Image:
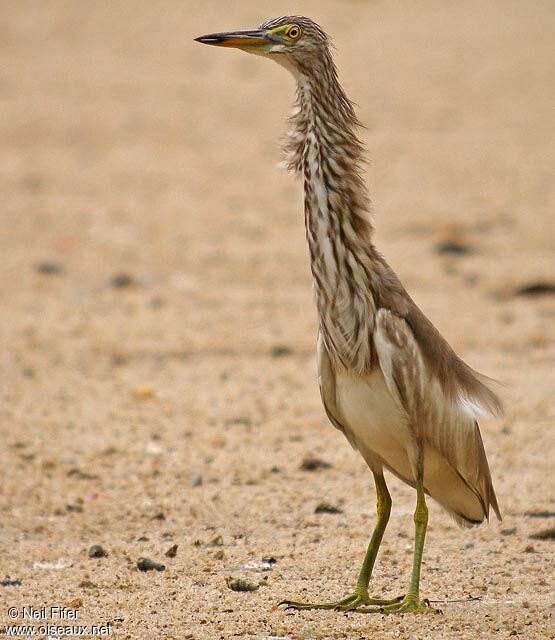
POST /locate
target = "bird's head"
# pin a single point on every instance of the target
(294, 41)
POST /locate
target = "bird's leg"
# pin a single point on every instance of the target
(360, 596)
(383, 509)
(411, 601)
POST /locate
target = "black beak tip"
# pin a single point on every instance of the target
(206, 39)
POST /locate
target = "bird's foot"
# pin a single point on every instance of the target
(410, 603)
(359, 598)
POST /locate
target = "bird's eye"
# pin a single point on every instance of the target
(294, 32)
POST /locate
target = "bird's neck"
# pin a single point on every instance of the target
(325, 150)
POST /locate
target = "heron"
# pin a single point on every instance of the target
(388, 379)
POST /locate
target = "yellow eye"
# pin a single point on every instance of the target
(293, 32)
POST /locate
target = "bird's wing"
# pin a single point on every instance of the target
(442, 416)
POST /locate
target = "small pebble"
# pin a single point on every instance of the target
(195, 480)
(49, 267)
(97, 551)
(535, 289)
(241, 584)
(8, 582)
(144, 392)
(246, 422)
(324, 507)
(121, 280)
(75, 603)
(171, 552)
(453, 248)
(218, 541)
(87, 584)
(159, 516)
(281, 351)
(82, 475)
(146, 564)
(544, 534)
(314, 464)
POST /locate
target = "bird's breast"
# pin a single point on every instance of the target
(371, 415)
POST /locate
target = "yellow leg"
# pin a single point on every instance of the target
(360, 596)
(411, 601)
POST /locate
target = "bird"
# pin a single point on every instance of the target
(388, 379)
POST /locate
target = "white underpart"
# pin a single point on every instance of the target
(377, 426)
(372, 416)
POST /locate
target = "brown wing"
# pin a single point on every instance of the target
(441, 403)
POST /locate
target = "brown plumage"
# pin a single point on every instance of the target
(388, 379)
(360, 299)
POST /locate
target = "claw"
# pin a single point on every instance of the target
(352, 602)
(408, 604)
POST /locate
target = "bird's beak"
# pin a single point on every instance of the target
(247, 40)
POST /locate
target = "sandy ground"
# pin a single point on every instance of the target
(158, 381)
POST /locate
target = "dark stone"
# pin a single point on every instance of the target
(535, 289)
(159, 516)
(544, 534)
(97, 551)
(281, 351)
(314, 464)
(8, 582)
(49, 267)
(324, 507)
(146, 564)
(121, 280)
(452, 248)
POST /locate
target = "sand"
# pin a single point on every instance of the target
(158, 379)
